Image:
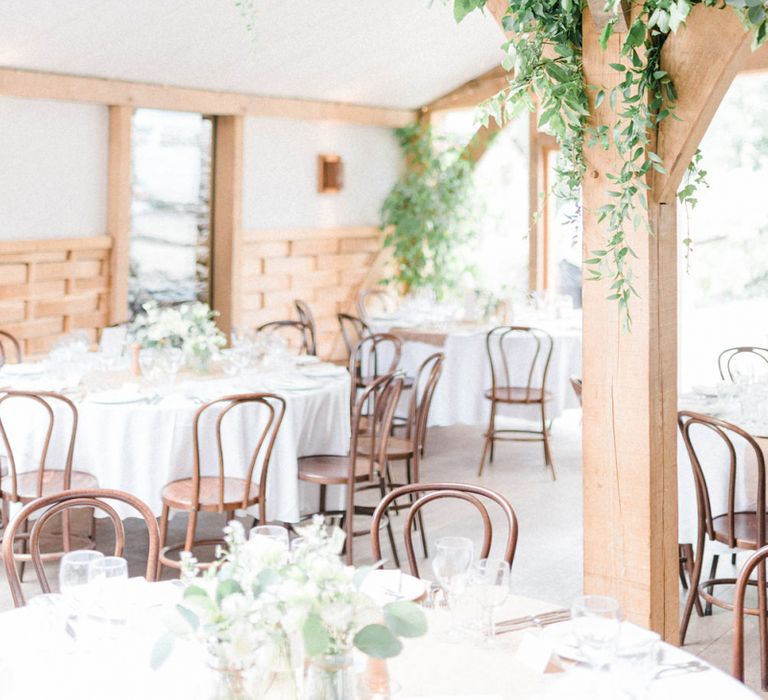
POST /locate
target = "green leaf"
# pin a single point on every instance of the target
(161, 650)
(377, 641)
(226, 588)
(405, 619)
(189, 617)
(316, 637)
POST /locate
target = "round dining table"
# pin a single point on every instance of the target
(137, 437)
(114, 662)
(459, 396)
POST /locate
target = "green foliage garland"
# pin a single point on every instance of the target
(544, 58)
(429, 215)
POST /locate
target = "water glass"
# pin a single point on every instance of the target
(636, 661)
(489, 584)
(74, 570)
(106, 578)
(451, 564)
(278, 533)
(596, 623)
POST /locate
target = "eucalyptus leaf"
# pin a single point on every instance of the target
(161, 650)
(377, 641)
(316, 637)
(405, 619)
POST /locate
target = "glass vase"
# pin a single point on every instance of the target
(278, 679)
(233, 681)
(330, 677)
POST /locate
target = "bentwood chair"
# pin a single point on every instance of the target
(476, 496)
(42, 510)
(378, 299)
(374, 356)
(297, 333)
(532, 362)
(755, 561)
(359, 471)
(747, 356)
(310, 328)
(222, 493)
(9, 346)
(720, 519)
(408, 448)
(353, 330)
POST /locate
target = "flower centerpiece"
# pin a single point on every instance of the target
(190, 327)
(261, 606)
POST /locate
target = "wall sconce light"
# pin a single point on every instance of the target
(330, 174)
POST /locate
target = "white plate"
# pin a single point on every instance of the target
(23, 369)
(389, 585)
(116, 397)
(567, 647)
(301, 360)
(324, 369)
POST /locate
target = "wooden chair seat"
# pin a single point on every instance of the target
(517, 394)
(332, 469)
(180, 494)
(397, 448)
(53, 482)
(744, 529)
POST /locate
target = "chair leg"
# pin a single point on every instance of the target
(164, 516)
(681, 564)
(323, 490)
(545, 435)
(712, 574)
(390, 534)
(24, 549)
(693, 591)
(189, 540)
(488, 439)
(686, 572)
(733, 559)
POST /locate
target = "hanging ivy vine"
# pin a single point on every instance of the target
(544, 59)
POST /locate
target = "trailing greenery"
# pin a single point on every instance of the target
(544, 58)
(430, 215)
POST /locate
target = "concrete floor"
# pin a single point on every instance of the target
(548, 559)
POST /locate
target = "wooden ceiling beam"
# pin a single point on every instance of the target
(471, 93)
(55, 86)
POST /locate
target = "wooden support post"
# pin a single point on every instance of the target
(630, 397)
(227, 221)
(537, 207)
(119, 209)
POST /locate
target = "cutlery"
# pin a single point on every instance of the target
(679, 669)
(542, 620)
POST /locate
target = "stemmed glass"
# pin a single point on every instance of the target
(596, 623)
(451, 564)
(489, 581)
(274, 532)
(105, 577)
(73, 576)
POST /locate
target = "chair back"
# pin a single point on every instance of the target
(374, 356)
(46, 508)
(9, 347)
(577, 387)
(420, 402)
(353, 330)
(379, 299)
(263, 436)
(757, 559)
(527, 366)
(372, 416)
(476, 496)
(54, 407)
(724, 432)
(747, 355)
(307, 318)
(297, 333)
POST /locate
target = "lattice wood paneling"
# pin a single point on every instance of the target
(51, 287)
(324, 267)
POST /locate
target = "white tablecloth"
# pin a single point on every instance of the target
(459, 397)
(140, 447)
(427, 667)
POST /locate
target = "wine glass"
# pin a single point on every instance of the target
(108, 569)
(106, 576)
(489, 582)
(453, 558)
(596, 623)
(274, 532)
(74, 570)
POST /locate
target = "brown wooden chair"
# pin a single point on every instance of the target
(9, 343)
(504, 391)
(353, 330)
(755, 561)
(48, 507)
(30, 481)
(374, 356)
(379, 297)
(358, 470)
(222, 493)
(726, 358)
(577, 387)
(474, 495)
(737, 529)
(297, 333)
(408, 449)
(310, 328)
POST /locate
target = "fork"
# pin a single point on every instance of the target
(542, 620)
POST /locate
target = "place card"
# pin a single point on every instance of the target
(537, 653)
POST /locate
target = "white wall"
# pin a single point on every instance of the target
(53, 169)
(280, 173)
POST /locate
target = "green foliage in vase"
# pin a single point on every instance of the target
(430, 215)
(544, 58)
